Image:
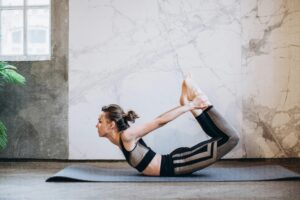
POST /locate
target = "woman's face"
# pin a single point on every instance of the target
(103, 125)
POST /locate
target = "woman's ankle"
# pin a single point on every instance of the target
(198, 112)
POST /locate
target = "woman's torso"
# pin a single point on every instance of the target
(153, 168)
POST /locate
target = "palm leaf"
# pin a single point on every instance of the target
(9, 74)
(3, 136)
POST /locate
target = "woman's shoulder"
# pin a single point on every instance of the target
(128, 137)
(129, 143)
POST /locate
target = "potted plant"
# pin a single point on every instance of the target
(8, 74)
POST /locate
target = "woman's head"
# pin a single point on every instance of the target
(113, 116)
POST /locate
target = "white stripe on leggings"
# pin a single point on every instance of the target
(199, 165)
(196, 156)
(190, 152)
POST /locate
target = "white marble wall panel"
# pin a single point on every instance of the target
(134, 53)
(271, 74)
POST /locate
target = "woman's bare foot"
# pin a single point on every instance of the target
(195, 94)
(183, 98)
(193, 90)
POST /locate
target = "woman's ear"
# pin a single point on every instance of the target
(113, 125)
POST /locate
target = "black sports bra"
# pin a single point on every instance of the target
(140, 156)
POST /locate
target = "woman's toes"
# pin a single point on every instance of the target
(192, 84)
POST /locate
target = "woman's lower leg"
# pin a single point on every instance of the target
(215, 126)
(210, 119)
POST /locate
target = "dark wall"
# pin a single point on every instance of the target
(36, 115)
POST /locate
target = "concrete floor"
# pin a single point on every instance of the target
(26, 180)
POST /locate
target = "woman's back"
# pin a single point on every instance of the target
(140, 156)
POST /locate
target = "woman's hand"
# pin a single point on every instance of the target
(197, 103)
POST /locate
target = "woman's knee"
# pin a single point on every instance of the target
(233, 141)
(234, 136)
(236, 140)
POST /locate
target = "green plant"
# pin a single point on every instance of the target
(8, 74)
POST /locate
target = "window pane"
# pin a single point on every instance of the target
(11, 32)
(38, 2)
(38, 32)
(12, 2)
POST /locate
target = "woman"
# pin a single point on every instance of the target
(113, 124)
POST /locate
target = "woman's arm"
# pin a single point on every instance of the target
(141, 130)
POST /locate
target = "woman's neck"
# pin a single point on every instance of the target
(114, 137)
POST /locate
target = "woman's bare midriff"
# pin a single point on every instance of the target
(153, 169)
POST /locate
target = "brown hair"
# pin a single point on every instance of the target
(115, 113)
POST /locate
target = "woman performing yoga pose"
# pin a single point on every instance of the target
(113, 124)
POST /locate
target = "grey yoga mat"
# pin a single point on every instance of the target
(209, 174)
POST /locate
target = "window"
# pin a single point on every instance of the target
(25, 30)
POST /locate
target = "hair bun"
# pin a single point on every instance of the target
(131, 116)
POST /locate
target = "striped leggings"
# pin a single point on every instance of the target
(186, 160)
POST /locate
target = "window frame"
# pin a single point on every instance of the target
(25, 56)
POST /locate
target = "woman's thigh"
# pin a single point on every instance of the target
(187, 160)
